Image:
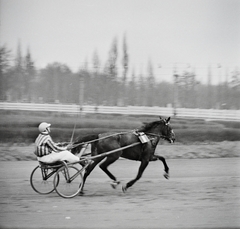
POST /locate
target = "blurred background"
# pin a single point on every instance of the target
(172, 58)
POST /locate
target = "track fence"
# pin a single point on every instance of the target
(208, 114)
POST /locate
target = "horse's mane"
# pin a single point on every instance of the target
(147, 126)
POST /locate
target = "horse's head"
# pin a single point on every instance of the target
(167, 130)
(161, 128)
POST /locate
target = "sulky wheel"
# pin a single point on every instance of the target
(68, 181)
(41, 180)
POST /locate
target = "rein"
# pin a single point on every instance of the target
(158, 135)
(95, 140)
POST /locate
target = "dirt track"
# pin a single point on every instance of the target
(201, 193)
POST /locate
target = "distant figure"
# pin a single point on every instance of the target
(49, 152)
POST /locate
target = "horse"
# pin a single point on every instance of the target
(118, 142)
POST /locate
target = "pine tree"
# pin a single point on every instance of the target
(4, 66)
(95, 87)
(125, 70)
(112, 71)
(29, 75)
(151, 83)
(18, 82)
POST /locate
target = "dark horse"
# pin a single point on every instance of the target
(143, 152)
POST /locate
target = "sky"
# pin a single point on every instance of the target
(172, 35)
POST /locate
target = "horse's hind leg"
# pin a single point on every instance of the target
(89, 170)
(141, 169)
(104, 166)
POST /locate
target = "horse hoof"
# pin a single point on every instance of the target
(114, 184)
(166, 175)
(124, 188)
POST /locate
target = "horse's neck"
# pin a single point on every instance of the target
(156, 131)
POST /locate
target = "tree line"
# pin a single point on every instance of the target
(21, 81)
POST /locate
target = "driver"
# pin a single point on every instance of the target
(49, 152)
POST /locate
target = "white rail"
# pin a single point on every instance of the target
(212, 114)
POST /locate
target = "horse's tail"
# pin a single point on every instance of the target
(79, 142)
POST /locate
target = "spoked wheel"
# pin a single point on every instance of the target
(68, 181)
(41, 180)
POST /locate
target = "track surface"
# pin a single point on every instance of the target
(201, 193)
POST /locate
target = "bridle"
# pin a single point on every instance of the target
(160, 136)
(157, 135)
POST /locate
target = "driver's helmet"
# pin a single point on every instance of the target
(43, 127)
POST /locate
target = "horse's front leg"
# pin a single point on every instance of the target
(162, 159)
(141, 169)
